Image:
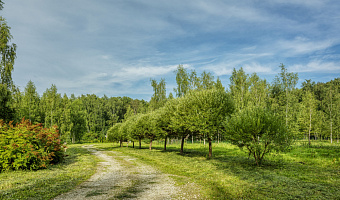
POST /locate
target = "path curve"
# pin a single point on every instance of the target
(121, 177)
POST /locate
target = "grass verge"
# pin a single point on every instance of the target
(78, 166)
(303, 173)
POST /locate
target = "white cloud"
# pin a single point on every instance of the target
(317, 66)
(301, 45)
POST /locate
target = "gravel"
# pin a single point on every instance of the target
(123, 177)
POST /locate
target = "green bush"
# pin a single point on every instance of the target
(27, 146)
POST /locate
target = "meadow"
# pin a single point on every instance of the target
(305, 172)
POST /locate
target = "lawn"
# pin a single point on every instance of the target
(303, 173)
(77, 167)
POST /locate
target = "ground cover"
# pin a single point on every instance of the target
(304, 172)
(77, 167)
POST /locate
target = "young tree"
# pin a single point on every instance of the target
(258, 131)
(208, 110)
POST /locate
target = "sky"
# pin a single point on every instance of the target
(114, 47)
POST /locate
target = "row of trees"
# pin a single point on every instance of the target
(309, 112)
(205, 110)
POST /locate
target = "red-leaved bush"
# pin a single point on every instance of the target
(28, 146)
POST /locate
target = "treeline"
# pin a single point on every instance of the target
(83, 118)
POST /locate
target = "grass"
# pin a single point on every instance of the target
(78, 166)
(303, 173)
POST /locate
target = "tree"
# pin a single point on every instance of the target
(50, 103)
(284, 84)
(8, 55)
(7, 112)
(258, 131)
(239, 88)
(208, 110)
(78, 122)
(158, 99)
(259, 91)
(182, 80)
(30, 103)
(309, 108)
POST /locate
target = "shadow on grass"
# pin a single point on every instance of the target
(278, 177)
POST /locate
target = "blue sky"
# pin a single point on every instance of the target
(114, 47)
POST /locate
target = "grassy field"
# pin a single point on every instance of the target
(303, 173)
(78, 166)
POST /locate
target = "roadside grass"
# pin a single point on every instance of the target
(77, 167)
(306, 172)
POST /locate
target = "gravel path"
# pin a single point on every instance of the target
(121, 177)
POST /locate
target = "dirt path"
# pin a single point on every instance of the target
(121, 177)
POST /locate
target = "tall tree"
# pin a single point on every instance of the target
(158, 98)
(259, 91)
(284, 84)
(239, 88)
(182, 80)
(30, 103)
(50, 103)
(8, 55)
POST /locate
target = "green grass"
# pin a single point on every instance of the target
(78, 166)
(303, 173)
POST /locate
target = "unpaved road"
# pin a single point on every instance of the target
(122, 177)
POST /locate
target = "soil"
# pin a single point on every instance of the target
(122, 177)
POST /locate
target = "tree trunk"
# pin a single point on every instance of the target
(166, 138)
(133, 144)
(121, 143)
(140, 143)
(150, 146)
(182, 144)
(210, 147)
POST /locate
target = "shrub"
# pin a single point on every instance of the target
(28, 146)
(258, 131)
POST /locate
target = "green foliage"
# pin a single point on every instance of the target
(258, 131)
(158, 99)
(27, 146)
(7, 112)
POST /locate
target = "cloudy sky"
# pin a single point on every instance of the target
(114, 47)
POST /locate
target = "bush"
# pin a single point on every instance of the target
(27, 146)
(258, 131)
